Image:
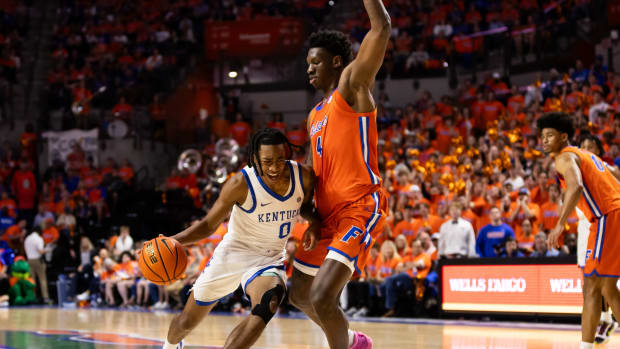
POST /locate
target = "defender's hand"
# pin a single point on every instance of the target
(311, 237)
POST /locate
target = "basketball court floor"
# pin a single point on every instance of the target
(42, 328)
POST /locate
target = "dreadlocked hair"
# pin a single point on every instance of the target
(335, 42)
(268, 136)
(560, 122)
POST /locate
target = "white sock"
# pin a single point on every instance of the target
(351, 337)
(606, 316)
(167, 345)
(585, 345)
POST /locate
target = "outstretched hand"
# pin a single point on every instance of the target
(311, 237)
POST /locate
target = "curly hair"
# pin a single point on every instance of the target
(335, 42)
(560, 122)
(268, 136)
(592, 138)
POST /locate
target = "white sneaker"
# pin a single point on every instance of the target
(361, 313)
(351, 311)
(158, 305)
(83, 296)
(180, 345)
(164, 305)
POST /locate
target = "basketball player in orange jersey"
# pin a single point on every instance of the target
(607, 325)
(348, 194)
(590, 186)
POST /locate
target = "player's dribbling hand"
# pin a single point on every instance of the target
(554, 236)
(310, 237)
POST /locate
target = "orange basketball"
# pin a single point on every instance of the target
(162, 260)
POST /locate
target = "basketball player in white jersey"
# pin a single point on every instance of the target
(265, 198)
(607, 325)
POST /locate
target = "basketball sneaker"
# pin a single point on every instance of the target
(604, 332)
(178, 346)
(351, 311)
(361, 341)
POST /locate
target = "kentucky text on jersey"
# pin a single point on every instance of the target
(277, 216)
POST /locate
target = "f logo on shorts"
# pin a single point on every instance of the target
(354, 232)
(588, 254)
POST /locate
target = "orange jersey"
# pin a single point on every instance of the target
(388, 266)
(420, 273)
(601, 192)
(344, 154)
(372, 266)
(550, 215)
(50, 235)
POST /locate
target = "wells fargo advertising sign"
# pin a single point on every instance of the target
(533, 288)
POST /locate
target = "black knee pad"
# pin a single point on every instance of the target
(262, 309)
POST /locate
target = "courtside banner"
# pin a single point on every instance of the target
(530, 288)
(256, 38)
(60, 144)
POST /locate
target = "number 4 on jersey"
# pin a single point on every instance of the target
(319, 148)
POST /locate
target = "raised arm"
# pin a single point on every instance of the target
(359, 75)
(233, 192)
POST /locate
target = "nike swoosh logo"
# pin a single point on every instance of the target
(263, 205)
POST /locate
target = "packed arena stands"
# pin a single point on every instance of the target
(428, 35)
(13, 28)
(465, 171)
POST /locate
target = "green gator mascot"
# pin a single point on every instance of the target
(22, 286)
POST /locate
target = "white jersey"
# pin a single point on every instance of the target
(265, 219)
(257, 233)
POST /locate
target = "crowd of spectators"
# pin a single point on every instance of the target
(426, 33)
(116, 55)
(466, 176)
(114, 60)
(13, 30)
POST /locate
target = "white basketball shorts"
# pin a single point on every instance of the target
(230, 266)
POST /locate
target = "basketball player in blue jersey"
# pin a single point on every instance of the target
(263, 201)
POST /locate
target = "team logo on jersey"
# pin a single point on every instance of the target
(354, 232)
(317, 126)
